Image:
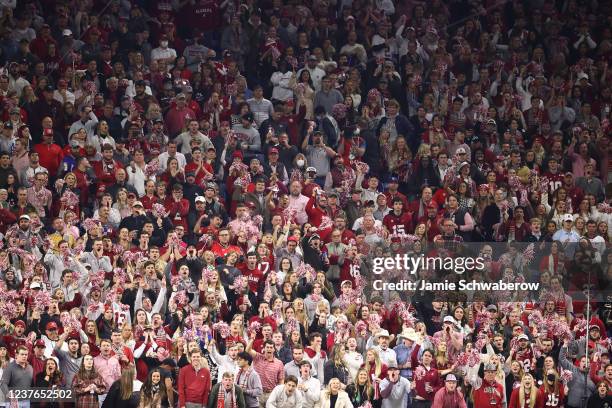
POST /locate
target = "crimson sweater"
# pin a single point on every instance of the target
(194, 386)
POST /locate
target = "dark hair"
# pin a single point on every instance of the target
(245, 356)
(146, 392)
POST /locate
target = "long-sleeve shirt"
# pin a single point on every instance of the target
(279, 398)
(394, 394)
(312, 391)
(576, 385)
(16, 376)
(194, 386)
(109, 368)
(69, 365)
(444, 399)
(270, 372)
(252, 390)
(89, 125)
(97, 264)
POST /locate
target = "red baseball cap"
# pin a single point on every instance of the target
(40, 343)
(51, 326)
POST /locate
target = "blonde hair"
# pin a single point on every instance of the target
(532, 394)
(377, 362)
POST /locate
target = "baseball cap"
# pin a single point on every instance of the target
(8, 125)
(35, 285)
(311, 170)
(20, 323)
(568, 217)
(523, 337)
(180, 96)
(211, 186)
(39, 343)
(461, 150)
(137, 204)
(492, 308)
(67, 32)
(24, 217)
(200, 199)
(450, 377)
(74, 143)
(449, 319)
(581, 76)
(51, 326)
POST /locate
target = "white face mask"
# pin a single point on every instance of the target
(163, 44)
(300, 163)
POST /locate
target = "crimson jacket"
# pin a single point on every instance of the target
(194, 386)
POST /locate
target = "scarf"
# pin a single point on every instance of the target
(243, 377)
(221, 397)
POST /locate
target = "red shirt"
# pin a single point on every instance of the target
(221, 251)
(51, 156)
(253, 276)
(178, 211)
(431, 377)
(554, 181)
(515, 403)
(489, 395)
(194, 386)
(398, 224)
(554, 400)
(315, 214)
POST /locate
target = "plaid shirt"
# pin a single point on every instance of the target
(451, 243)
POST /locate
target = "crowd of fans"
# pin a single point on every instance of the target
(192, 194)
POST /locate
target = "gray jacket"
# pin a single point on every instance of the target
(576, 396)
(253, 388)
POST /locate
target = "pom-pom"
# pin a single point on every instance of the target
(291, 325)
(605, 208)
(206, 240)
(326, 222)
(361, 327)
(159, 211)
(289, 215)
(528, 255)
(42, 300)
(419, 373)
(8, 310)
(181, 299)
(69, 199)
(222, 328)
(304, 270)
(240, 285)
(565, 376)
(254, 327)
(209, 273)
(89, 224)
(362, 167)
(152, 168)
(342, 330)
(70, 323)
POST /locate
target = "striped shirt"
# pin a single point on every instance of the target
(271, 373)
